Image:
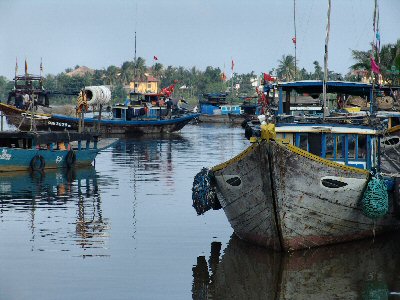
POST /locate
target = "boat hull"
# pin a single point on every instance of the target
(225, 119)
(20, 159)
(285, 200)
(56, 122)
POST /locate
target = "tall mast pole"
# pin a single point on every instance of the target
(135, 69)
(328, 25)
(295, 40)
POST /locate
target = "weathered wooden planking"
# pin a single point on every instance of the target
(311, 214)
(249, 205)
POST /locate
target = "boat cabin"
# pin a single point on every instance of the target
(355, 146)
(292, 92)
(250, 105)
(27, 88)
(47, 140)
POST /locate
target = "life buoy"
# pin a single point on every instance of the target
(37, 163)
(71, 158)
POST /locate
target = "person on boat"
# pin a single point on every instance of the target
(169, 104)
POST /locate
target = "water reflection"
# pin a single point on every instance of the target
(365, 269)
(63, 207)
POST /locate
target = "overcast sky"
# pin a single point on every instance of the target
(99, 33)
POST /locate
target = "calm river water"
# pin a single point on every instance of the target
(125, 229)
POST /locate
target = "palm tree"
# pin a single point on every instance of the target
(157, 70)
(112, 73)
(286, 68)
(127, 70)
(318, 74)
(140, 68)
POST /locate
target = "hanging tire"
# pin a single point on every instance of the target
(37, 163)
(71, 158)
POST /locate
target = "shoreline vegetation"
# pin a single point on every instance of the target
(191, 83)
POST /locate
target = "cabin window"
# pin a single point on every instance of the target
(315, 143)
(302, 141)
(149, 85)
(353, 146)
(330, 149)
(340, 146)
(362, 146)
(118, 113)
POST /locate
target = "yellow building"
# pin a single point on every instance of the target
(149, 85)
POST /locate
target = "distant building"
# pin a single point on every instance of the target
(80, 71)
(361, 75)
(149, 85)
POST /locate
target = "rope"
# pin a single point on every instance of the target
(203, 192)
(375, 201)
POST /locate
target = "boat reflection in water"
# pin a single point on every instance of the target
(64, 208)
(357, 270)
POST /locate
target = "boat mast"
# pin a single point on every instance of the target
(295, 40)
(135, 69)
(325, 110)
(375, 49)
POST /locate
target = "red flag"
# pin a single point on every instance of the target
(294, 40)
(16, 66)
(155, 57)
(223, 76)
(233, 65)
(26, 67)
(268, 77)
(374, 67)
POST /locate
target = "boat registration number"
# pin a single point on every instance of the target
(61, 124)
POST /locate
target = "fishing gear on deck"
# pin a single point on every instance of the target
(375, 202)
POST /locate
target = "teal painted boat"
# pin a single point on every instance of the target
(37, 151)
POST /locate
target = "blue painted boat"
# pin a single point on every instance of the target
(37, 151)
(122, 121)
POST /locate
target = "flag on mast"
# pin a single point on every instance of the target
(26, 67)
(374, 66)
(41, 66)
(16, 66)
(155, 57)
(233, 65)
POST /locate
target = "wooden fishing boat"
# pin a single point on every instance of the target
(114, 125)
(38, 151)
(281, 196)
(305, 183)
(144, 116)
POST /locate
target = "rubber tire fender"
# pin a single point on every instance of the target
(37, 163)
(70, 158)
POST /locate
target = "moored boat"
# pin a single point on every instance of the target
(38, 151)
(306, 182)
(128, 118)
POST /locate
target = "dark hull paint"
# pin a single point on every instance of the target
(57, 122)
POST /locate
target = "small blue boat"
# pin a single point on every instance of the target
(37, 151)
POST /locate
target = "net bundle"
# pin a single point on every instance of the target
(375, 202)
(203, 193)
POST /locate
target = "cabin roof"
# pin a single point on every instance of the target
(44, 137)
(337, 87)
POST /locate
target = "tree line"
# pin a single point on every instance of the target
(192, 82)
